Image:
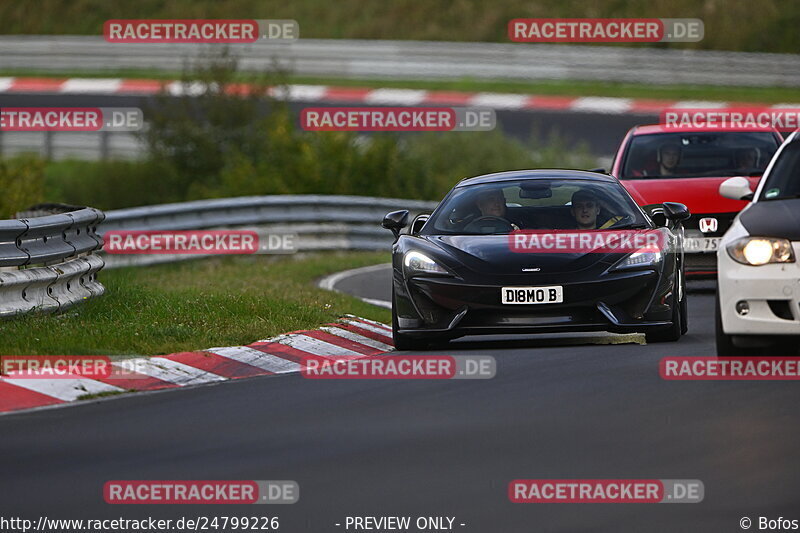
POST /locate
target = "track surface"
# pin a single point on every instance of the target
(600, 133)
(558, 408)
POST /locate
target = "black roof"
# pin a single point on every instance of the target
(556, 173)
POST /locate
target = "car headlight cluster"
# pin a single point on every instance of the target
(419, 263)
(756, 251)
(640, 259)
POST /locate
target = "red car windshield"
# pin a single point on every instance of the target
(690, 155)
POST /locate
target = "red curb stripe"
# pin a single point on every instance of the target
(653, 106)
(287, 352)
(346, 94)
(549, 102)
(217, 364)
(36, 85)
(13, 398)
(144, 382)
(342, 342)
(366, 333)
(141, 86)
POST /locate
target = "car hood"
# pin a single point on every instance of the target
(773, 218)
(700, 195)
(492, 255)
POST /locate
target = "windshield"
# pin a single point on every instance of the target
(784, 180)
(535, 204)
(690, 155)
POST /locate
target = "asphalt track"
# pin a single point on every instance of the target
(599, 133)
(558, 408)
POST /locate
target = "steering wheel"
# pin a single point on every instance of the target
(497, 224)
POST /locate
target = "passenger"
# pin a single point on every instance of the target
(747, 159)
(586, 208)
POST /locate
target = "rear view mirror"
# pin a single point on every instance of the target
(395, 221)
(737, 188)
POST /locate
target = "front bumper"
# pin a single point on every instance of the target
(772, 292)
(623, 302)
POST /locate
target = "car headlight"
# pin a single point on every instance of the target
(757, 251)
(640, 260)
(419, 263)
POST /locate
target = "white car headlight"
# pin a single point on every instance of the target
(640, 259)
(419, 263)
(757, 251)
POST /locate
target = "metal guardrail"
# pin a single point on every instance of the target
(47, 263)
(420, 60)
(320, 222)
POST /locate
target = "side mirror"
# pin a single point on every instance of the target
(417, 224)
(676, 212)
(395, 221)
(737, 188)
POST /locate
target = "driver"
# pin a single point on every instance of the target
(492, 203)
(746, 159)
(585, 210)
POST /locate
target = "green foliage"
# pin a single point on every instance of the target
(21, 184)
(744, 25)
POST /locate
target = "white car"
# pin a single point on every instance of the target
(758, 295)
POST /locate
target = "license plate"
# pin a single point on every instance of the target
(532, 295)
(701, 244)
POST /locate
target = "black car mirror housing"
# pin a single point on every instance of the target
(676, 212)
(396, 221)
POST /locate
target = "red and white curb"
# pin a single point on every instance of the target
(388, 96)
(350, 338)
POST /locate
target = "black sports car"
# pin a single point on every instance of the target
(458, 273)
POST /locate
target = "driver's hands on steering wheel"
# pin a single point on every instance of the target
(498, 223)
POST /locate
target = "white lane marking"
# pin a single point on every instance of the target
(194, 88)
(314, 346)
(5, 84)
(91, 85)
(395, 96)
(67, 389)
(370, 327)
(256, 358)
(173, 371)
(499, 100)
(329, 282)
(373, 322)
(299, 92)
(355, 337)
(602, 104)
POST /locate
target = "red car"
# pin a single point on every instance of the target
(658, 164)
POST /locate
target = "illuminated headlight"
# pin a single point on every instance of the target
(640, 259)
(419, 263)
(756, 251)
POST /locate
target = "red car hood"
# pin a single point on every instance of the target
(700, 195)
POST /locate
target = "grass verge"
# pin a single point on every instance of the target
(195, 305)
(769, 95)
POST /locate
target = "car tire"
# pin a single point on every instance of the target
(671, 333)
(725, 344)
